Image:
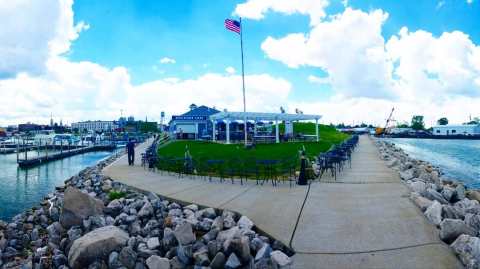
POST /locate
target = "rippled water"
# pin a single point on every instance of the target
(458, 159)
(21, 189)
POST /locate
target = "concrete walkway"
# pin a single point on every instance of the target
(362, 220)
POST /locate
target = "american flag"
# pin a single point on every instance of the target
(233, 25)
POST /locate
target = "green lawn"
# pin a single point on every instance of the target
(201, 150)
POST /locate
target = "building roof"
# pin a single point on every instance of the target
(456, 125)
(201, 111)
(263, 116)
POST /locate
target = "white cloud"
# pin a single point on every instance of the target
(349, 47)
(256, 9)
(230, 70)
(26, 43)
(435, 67)
(315, 79)
(469, 1)
(166, 60)
(416, 72)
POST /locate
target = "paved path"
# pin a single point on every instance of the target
(363, 220)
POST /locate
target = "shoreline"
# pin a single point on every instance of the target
(135, 230)
(446, 203)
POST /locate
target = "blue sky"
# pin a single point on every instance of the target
(137, 34)
(350, 61)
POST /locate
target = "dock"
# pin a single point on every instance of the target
(27, 163)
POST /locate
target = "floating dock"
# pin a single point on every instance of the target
(26, 163)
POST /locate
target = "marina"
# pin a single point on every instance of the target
(21, 189)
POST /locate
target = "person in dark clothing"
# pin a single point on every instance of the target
(131, 151)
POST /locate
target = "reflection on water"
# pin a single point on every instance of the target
(458, 159)
(23, 188)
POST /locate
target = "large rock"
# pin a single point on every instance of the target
(448, 193)
(418, 186)
(450, 229)
(452, 212)
(245, 223)
(434, 195)
(473, 195)
(184, 234)
(473, 220)
(460, 192)
(156, 262)
(434, 213)
(407, 174)
(96, 245)
(468, 250)
(78, 206)
(280, 259)
(422, 202)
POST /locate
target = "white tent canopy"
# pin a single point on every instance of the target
(262, 116)
(228, 117)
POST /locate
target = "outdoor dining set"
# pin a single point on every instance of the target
(260, 170)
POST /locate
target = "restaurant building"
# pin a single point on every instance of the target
(194, 124)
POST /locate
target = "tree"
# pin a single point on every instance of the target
(442, 121)
(417, 123)
(402, 125)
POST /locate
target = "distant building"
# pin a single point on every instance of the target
(466, 129)
(193, 124)
(94, 126)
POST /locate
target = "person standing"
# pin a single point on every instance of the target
(131, 151)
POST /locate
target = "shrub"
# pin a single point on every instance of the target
(112, 195)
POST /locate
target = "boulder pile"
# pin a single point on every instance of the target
(446, 203)
(82, 225)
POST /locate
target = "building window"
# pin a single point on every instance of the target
(454, 131)
(438, 131)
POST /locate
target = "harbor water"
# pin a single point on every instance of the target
(21, 189)
(457, 159)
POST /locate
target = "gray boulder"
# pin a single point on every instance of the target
(448, 193)
(245, 223)
(418, 186)
(96, 245)
(280, 259)
(434, 195)
(78, 206)
(460, 192)
(156, 262)
(218, 261)
(473, 220)
(407, 174)
(146, 211)
(422, 202)
(233, 262)
(184, 234)
(153, 242)
(128, 257)
(434, 213)
(450, 229)
(467, 249)
(451, 212)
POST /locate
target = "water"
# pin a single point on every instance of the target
(21, 189)
(458, 159)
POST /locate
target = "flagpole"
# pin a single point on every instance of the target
(243, 83)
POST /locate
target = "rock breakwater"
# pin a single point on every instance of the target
(447, 204)
(94, 222)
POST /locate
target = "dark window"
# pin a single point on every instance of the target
(438, 131)
(454, 131)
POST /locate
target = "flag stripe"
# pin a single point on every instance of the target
(232, 25)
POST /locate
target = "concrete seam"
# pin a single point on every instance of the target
(298, 217)
(235, 197)
(368, 251)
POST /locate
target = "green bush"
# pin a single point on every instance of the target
(112, 195)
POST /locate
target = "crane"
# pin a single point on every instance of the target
(381, 131)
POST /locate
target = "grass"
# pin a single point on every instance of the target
(202, 150)
(113, 195)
